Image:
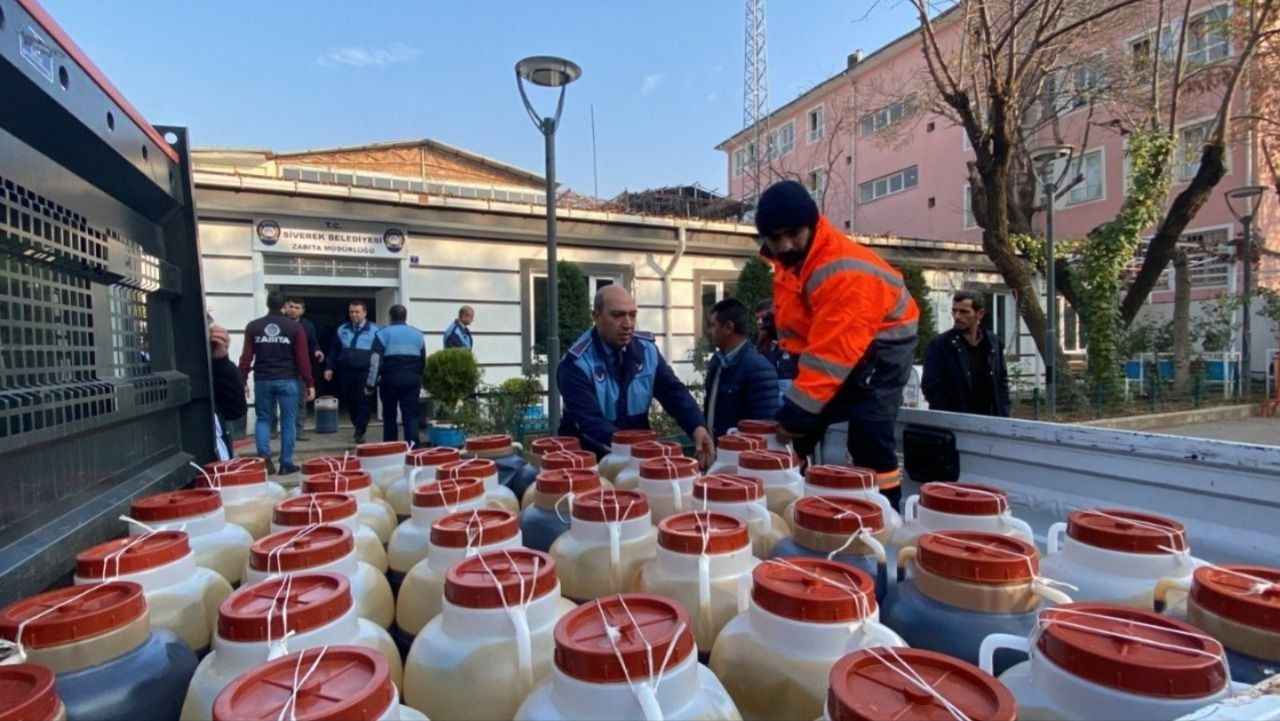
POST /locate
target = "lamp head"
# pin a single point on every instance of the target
(548, 71)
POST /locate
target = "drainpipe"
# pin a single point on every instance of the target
(682, 238)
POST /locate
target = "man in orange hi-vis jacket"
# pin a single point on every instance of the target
(849, 317)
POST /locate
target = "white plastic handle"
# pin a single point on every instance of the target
(1017, 524)
(1052, 595)
(909, 508)
(1051, 540)
(997, 641)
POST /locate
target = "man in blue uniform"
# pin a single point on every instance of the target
(399, 355)
(458, 334)
(349, 359)
(613, 372)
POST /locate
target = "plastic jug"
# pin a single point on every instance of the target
(729, 447)
(964, 586)
(513, 471)
(804, 614)
(610, 538)
(431, 502)
(742, 498)
(545, 516)
(493, 641)
(375, 513)
(384, 461)
(313, 609)
(217, 545)
(629, 477)
(347, 463)
(766, 429)
(540, 447)
(959, 507)
(1240, 607)
(453, 538)
(848, 530)
(881, 684)
(627, 657)
(182, 596)
(620, 451)
(336, 508)
(324, 549)
(419, 468)
(1117, 556)
(1101, 661)
(779, 472)
(329, 683)
(563, 461)
(668, 484)
(27, 693)
(108, 662)
(850, 482)
(704, 562)
(247, 495)
(496, 495)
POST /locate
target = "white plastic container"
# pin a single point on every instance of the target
(805, 613)
(742, 498)
(780, 473)
(668, 484)
(336, 508)
(347, 463)
(324, 549)
(838, 528)
(729, 447)
(620, 451)
(182, 596)
(217, 545)
(431, 502)
(496, 495)
(766, 429)
(317, 608)
(545, 516)
(850, 482)
(419, 469)
(647, 668)
(610, 537)
(383, 461)
(959, 507)
(540, 447)
(704, 563)
(453, 538)
(321, 684)
(372, 512)
(247, 496)
(1100, 661)
(1117, 556)
(493, 641)
(629, 477)
(571, 460)
(906, 683)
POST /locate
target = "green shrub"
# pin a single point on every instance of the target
(451, 375)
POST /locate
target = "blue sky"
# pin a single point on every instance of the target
(665, 77)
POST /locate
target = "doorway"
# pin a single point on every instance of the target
(326, 308)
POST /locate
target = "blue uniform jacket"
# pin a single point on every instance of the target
(600, 399)
(351, 349)
(458, 335)
(399, 355)
(748, 389)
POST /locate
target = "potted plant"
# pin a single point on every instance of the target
(451, 376)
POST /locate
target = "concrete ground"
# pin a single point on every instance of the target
(1264, 431)
(317, 444)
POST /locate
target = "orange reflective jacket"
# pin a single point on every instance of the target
(843, 298)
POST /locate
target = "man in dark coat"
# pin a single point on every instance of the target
(741, 383)
(964, 369)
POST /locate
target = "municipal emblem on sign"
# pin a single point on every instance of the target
(393, 239)
(272, 330)
(269, 232)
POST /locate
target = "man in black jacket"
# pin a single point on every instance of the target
(228, 388)
(294, 308)
(964, 369)
(741, 383)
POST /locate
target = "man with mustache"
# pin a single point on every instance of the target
(851, 320)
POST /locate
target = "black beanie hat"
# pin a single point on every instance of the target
(785, 205)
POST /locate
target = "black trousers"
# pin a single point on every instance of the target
(351, 394)
(400, 398)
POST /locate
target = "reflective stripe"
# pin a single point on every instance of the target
(898, 332)
(805, 401)
(900, 310)
(889, 480)
(839, 371)
(824, 272)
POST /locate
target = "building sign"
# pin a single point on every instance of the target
(305, 236)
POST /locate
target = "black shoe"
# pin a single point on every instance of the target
(288, 470)
(358, 438)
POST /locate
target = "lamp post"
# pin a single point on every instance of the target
(549, 72)
(1044, 159)
(1243, 202)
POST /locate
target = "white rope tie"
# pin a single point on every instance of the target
(615, 536)
(114, 556)
(904, 669)
(212, 481)
(279, 550)
(475, 534)
(868, 479)
(1175, 535)
(519, 615)
(646, 692)
(677, 497)
(1260, 585)
(280, 647)
(1038, 582)
(1002, 501)
(858, 595)
(566, 497)
(291, 704)
(863, 533)
(13, 652)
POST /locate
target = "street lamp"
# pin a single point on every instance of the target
(1243, 203)
(549, 72)
(1044, 159)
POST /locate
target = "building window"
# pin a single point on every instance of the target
(1070, 88)
(1069, 329)
(1191, 141)
(739, 161)
(780, 142)
(533, 298)
(877, 120)
(817, 184)
(1208, 38)
(1091, 187)
(970, 222)
(888, 185)
(816, 124)
(710, 292)
(596, 283)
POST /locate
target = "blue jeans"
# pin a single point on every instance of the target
(267, 396)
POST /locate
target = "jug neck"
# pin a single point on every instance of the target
(1123, 563)
(236, 657)
(722, 565)
(245, 493)
(462, 622)
(581, 699)
(441, 558)
(775, 478)
(346, 566)
(155, 579)
(201, 525)
(596, 532)
(427, 515)
(823, 639)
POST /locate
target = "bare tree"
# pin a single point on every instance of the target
(837, 128)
